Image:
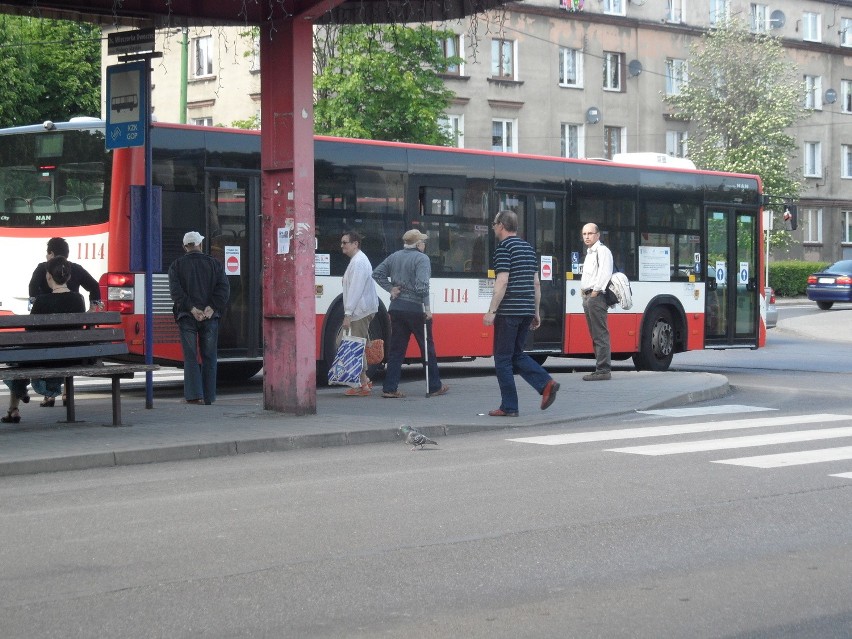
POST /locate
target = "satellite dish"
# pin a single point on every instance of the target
(634, 67)
(777, 19)
(830, 96)
(593, 115)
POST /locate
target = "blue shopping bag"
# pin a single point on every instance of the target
(348, 363)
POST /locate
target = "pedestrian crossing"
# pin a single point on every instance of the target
(734, 442)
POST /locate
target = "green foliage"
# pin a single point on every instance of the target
(380, 82)
(742, 96)
(252, 123)
(790, 278)
(51, 70)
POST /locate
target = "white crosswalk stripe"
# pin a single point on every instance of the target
(736, 442)
(781, 460)
(843, 475)
(677, 429)
(696, 411)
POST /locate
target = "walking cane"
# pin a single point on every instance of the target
(426, 348)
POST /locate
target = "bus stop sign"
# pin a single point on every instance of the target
(126, 107)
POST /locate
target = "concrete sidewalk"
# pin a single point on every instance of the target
(238, 423)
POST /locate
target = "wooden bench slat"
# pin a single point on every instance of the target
(59, 319)
(62, 351)
(81, 336)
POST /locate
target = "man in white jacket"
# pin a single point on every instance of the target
(360, 301)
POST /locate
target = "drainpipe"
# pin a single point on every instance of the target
(184, 62)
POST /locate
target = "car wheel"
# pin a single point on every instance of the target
(825, 305)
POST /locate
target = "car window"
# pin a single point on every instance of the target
(844, 266)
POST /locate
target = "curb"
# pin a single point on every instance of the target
(187, 452)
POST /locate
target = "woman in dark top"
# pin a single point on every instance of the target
(59, 300)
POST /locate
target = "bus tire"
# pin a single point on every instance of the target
(379, 329)
(237, 371)
(657, 341)
(538, 358)
(824, 306)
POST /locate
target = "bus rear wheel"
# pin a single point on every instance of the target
(657, 344)
(238, 371)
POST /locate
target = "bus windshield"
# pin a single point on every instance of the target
(53, 179)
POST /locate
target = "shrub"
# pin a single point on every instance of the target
(790, 278)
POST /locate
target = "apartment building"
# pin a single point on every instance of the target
(586, 78)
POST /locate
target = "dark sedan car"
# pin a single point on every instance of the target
(834, 284)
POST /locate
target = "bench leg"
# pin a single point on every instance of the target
(116, 401)
(70, 416)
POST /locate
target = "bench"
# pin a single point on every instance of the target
(56, 344)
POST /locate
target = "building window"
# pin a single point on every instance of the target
(812, 231)
(759, 18)
(570, 67)
(846, 96)
(255, 53)
(847, 226)
(813, 159)
(202, 52)
(812, 27)
(451, 46)
(504, 136)
(675, 75)
(676, 143)
(613, 141)
(674, 11)
(208, 121)
(454, 126)
(846, 161)
(503, 59)
(572, 144)
(612, 70)
(813, 92)
(846, 32)
(720, 11)
(613, 7)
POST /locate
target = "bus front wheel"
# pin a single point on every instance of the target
(656, 347)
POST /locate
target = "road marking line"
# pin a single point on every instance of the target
(736, 442)
(676, 429)
(843, 475)
(781, 460)
(705, 410)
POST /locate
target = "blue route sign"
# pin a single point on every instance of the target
(126, 107)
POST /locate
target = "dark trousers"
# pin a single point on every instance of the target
(199, 338)
(596, 311)
(510, 336)
(403, 326)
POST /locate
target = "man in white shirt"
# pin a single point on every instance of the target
(597, 271)
(360, 301)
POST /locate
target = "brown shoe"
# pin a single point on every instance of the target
(441, 391)
(548, 395)
(499, 412)
(193, 401)
(597, 377)
(394, 395)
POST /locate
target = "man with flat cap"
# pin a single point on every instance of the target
(405, 275)
(200, 291)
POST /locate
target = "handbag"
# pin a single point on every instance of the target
(348, 362)
(375, 351)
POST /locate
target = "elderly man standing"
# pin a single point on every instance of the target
(597, 271)
(405, 275)
(200, 292)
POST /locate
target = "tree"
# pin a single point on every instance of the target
(741, 97)
(381, 82)
(51, 70)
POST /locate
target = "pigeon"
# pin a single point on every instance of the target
(415, 437)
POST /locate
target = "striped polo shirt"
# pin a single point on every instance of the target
(517, 258)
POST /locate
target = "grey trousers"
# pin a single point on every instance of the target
(596, 311)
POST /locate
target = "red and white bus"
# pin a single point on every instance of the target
(690, 241)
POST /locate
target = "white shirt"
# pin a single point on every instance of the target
(359, 290)
(597, 268)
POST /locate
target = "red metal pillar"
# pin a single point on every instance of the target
(288, 230)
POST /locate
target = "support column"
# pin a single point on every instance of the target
(288, 229)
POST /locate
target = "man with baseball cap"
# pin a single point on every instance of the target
(200, 292)
(405, 275)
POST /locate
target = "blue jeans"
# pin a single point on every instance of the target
(50, 387)
(510, 335)
(403, 325)
(199, 381)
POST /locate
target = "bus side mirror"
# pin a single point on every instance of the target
(791, 216)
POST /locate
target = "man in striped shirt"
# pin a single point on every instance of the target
(514, 311)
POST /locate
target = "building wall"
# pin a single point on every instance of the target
(536, 106)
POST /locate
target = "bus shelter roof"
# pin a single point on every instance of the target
(161, 13)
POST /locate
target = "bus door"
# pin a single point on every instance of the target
(732, 302)
(540, 222)
(233, 226)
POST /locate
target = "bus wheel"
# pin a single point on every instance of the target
(538, 358)
(237, 371)
(656, 347)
